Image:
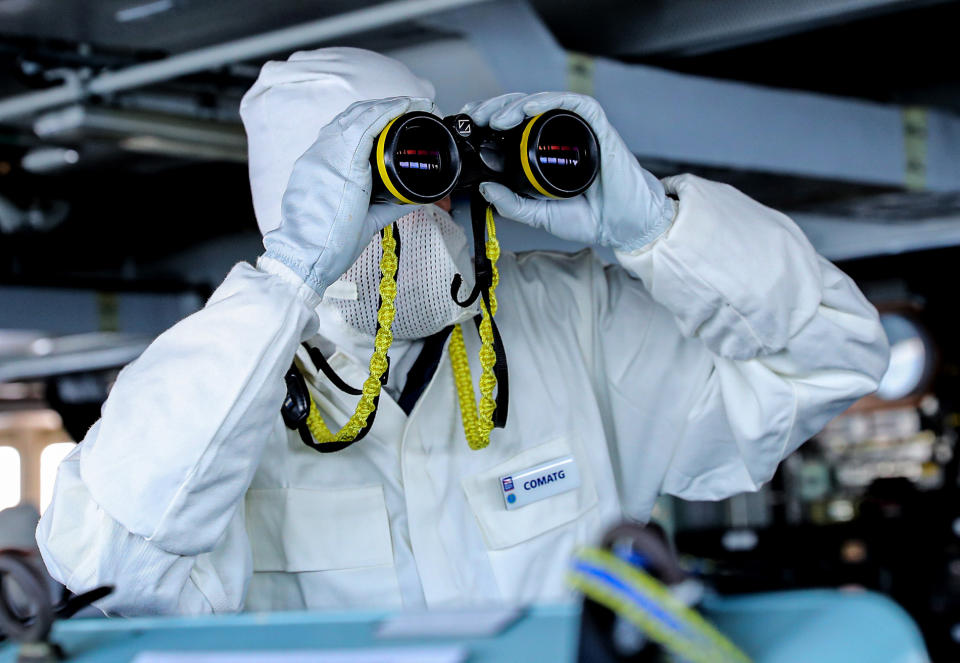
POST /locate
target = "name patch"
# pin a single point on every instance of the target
(536, 483)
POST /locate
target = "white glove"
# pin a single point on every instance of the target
(625, 208)
(326, 218)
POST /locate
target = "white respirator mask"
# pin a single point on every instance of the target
(434, 250)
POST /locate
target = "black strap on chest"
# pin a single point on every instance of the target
(483, 271)
(420, 374)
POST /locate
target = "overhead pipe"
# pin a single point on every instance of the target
(69, 122)
(203, 59)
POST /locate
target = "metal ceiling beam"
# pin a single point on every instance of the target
(203, 59)
(102, 352)
(843, 238)
(63, 311)
(688, 119)
(694, 27)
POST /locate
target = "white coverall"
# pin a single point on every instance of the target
(691, 368)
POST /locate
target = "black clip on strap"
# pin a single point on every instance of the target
(483, 268)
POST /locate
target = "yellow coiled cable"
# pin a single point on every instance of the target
(378, 362)
(478, 425)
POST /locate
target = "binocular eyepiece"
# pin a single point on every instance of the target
(420, 158)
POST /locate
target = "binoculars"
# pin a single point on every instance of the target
(420, 158)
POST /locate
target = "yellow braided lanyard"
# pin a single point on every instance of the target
(476, 424)
(378, 362)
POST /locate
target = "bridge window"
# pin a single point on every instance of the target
(9, 477)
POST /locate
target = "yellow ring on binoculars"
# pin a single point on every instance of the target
(381, 143)
(525, 162)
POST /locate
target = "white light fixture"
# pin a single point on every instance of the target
(9, 477)
(49, 159)
(910, 358)
(140, 12)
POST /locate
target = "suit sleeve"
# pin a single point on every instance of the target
(724, 345)
(151, 501)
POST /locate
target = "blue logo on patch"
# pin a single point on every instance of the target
(511, 498)
(507, 483)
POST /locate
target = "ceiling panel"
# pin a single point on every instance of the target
(168, 25)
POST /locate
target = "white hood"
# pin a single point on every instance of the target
(290, 102)
(283, 113)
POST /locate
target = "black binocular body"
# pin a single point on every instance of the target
(420, 158)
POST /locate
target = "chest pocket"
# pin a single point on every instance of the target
(296, 530)
(503, 529)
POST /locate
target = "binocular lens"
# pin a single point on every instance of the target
(422, 157)
(564, 151)
(418, 159)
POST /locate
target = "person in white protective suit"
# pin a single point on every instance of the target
(719, 343)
